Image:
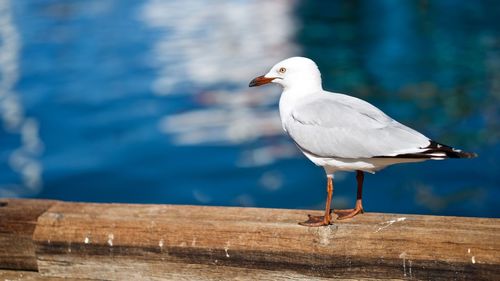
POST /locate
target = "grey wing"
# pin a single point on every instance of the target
(346, 127)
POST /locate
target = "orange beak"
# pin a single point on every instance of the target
(261, 80)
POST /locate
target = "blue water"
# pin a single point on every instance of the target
(147, 101)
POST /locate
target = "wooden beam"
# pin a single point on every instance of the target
(165, 242)
(18, 219)
(19, 275)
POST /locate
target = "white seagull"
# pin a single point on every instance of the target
(344, 133)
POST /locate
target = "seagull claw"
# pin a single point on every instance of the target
(348, 213)
(315, 221)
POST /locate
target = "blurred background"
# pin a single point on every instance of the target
(148, 101)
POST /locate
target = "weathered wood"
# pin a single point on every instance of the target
(165, 242)
(17, 223)
(188, 272)
(17, 275)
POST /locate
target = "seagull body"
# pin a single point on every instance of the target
(343, 133)
(339, 132)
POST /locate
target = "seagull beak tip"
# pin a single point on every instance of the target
(252, 83)
(261, 80)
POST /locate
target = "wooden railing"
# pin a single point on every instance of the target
(53, 240)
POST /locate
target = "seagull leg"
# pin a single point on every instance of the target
(349, 213)
(326, 219)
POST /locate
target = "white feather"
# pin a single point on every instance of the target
(335, 125)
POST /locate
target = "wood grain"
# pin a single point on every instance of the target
(18, 219)
(19, 275)
(166, 242)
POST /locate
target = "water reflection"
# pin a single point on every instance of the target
(212, 54)
(147, 101)
(20, 131)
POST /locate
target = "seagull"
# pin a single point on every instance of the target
(343, 133)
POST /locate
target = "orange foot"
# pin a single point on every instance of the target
(348, 213)
(315, 221)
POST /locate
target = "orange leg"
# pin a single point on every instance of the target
(326, 219)
(349, 213)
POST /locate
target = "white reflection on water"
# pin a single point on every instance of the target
(212, 49)
(211, 42)
(24, 159)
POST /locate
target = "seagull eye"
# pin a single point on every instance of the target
(282, 70)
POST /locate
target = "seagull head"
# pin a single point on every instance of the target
(295, 72)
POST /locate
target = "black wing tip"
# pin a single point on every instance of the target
(449, 151)
(435, 150)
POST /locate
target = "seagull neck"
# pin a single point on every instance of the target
(291, 96)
